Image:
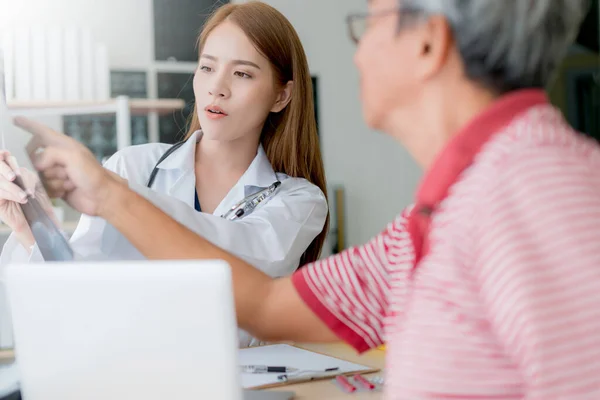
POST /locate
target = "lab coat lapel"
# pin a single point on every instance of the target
(184, 186)
(259, 175)
(180, 168)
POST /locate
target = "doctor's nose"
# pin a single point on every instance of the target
(219, 89)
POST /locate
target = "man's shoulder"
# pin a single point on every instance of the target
(540, 135)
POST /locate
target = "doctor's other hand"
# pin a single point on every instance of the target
(68, 169)
(12, 196)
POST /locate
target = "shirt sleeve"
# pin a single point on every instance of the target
(538, 263)
(350, 291)
(13, 252)
(272, 238)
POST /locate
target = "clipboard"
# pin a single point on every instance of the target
(295, 357)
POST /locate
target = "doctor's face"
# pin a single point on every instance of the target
(233, 86)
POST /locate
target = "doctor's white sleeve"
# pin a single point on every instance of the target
(14, 252)
(272, 238)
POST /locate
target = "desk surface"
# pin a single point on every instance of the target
(326, 389)
(319, 389)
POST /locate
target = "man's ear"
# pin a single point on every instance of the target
(435, 44)
(284, 97)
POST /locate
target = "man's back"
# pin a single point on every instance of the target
(506, 296)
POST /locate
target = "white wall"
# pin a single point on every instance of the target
(127, 33)
(124, 25)
(377, 173)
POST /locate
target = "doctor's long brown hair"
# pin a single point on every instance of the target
(289, 137)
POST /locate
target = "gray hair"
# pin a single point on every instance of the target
(509, 44)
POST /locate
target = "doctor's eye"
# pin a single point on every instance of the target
(204, 68)
(242, 74)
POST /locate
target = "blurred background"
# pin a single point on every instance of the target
(151, 54)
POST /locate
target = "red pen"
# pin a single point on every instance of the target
(345, 383)
(365, 383)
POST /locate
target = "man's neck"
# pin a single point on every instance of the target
(443, 115)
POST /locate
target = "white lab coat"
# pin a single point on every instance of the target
(272, 238)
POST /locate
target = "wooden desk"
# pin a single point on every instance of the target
(326, 389)
(319, 389)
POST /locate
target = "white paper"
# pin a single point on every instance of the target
(87, 64)
(8, 48)
(289, 356)
(56, 58)
(23, 64)
(39, 63)
(72, 65)
(102, 80)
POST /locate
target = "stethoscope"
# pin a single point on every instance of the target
(240, 209)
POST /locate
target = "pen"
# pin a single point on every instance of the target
(265, 369)
(302, 373)
(249, 203)
(364, 383)
(345, 384)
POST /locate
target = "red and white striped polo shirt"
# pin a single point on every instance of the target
(504, 302)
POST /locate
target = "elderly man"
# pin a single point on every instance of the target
(489, 287)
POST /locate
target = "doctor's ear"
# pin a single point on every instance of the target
(284, 97)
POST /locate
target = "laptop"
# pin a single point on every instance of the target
(129, 330)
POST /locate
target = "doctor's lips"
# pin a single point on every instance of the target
(215, 112)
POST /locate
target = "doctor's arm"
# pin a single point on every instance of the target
(272, 238)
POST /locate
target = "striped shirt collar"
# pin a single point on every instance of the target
(458, 155)
(462, 149)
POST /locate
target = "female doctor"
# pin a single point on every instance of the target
(251, 180)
